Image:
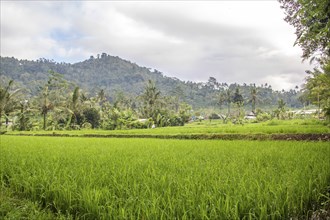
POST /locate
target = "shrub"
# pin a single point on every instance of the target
(263, 117)
(92, 116)
(214, 116)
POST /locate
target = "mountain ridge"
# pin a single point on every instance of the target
(116, 75)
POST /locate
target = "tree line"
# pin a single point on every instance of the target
(115, 75)
(60, 104)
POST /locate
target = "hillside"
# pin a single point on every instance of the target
(115, 75)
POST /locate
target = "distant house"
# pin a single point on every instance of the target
(305, 112)
(143, 120)
(251, 116)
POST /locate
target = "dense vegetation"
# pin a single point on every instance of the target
(206, 127)
(52, 102)
(117, 76)
(166, 179)
(312, 23)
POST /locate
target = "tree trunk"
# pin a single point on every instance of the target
(44, 114)
(7, 122)
(22, 120)
(228, 110)
(318, 104)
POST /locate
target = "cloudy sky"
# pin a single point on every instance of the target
(233, 41)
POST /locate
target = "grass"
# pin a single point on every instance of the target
(165, 179)
(296, 129)
(13, 208)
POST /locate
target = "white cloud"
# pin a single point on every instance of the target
(239, 41)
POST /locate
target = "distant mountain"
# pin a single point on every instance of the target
(116, 75)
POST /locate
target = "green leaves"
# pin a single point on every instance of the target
(311, 20)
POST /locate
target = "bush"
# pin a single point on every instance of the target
(92, 116)
(86, 125)
(214, 116)
(263, 117)
(138, 125)
(176, 121)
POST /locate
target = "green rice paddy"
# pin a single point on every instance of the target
(95, 178)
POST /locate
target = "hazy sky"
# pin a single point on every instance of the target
(233, 41)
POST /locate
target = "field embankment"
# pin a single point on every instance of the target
(288, 137)
(301, 130)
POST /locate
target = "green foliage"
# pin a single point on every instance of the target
(311, 20)
(317, 88)
(92, 116)
(237, 97)
(113, 76)
(162, 101)
(291, 126)
(8, 101)
(52, 99)
(94, 178)
(254, 98)
(151, 101)
(280, 112)
(263, 116)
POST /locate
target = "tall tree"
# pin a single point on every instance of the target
(220, 99)
(74, 108)
(228, 99)
(101, 98)
(238, 100)
(280, 111)
(53, 96)
(311, 19)
(318, 88)
(7, 102)
(151, 100)
(46, 105)
(253, 98)
(23, 118)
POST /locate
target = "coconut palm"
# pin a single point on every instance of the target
(253, 100)
(7, 101)
(150, 99)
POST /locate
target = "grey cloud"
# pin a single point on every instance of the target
(165, 36)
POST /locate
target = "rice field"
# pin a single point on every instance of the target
(95, 178)
(295, 126)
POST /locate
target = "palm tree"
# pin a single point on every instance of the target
(220, 99)
(73, 107)
(46, 106)
(23, 119)
(101, 98)
(254, 98)
(7, 102)
(228, 100)
(238, 100)
(150, 99)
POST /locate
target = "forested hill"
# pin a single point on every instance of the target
(117, 76)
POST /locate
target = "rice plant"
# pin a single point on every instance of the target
(91, 178)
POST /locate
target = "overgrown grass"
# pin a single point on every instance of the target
(166, 179)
